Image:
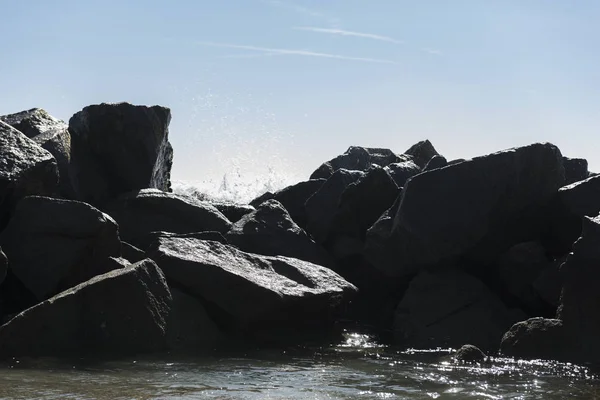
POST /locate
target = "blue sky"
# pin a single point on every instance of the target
(275, 84)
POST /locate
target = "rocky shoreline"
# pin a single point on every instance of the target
(99, 256)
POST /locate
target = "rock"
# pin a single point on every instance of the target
(233, 211)
(51, 134)
(293, 199)
(119, 148)
(56, 244)
(469, 353)
(122, 312)
(25, 169)
(378, 236)
(402, 171)
(150, 210)
(131, 253)
(481, 206)
(270, 231)
(357, 159)
(447, 308)
(422, 152)
(576, 169)
(582, 198)
(262, 296)
(3, 266)
(189, 327)
(548, 284)
(322, 206)
(537, 338)
(212, 236)
(435, 163)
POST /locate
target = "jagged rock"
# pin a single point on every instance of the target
(582, 198)
(3, 266)
(537, 338)
(548, 285)
(435, 163)
(122, 312)
(25, 169)
(447, 308)
(189, 326)
(422, 152)
(402, 171)
(150, 210)
(119, 148)
(357, 159)
(131, 253)
(259, 295)
(55, 244)
(469, 353)
(270, 231)
(481, 206)
(322, 206)
(576, 169)
(293, 199)
(233, 211)
(51, 134)
(153, 237)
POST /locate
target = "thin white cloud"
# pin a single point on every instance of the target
(293, 52)
(431, 51)
(342, 32)
(296, 8)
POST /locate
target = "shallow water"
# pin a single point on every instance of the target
(355, 369)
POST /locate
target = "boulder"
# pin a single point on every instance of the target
(55, 244)
(3, 266)
(131, 253)
(233, 211)
(448, 307)
(469, 353)
(582, 198)
(150, 210)
(322, 206)
(51, 134)
(537, 338)
(357, 159)
(123, 312)
(293, 199)
(548, 285)
(119, 148)
(422, 152)
(402, 171)
(262, 296)
(481, 206)
(270, 231)
(435, 163)
(25, 169)
(576, 169)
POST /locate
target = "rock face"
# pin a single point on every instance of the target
(422, 152)
(469, 353)
(402, 171)
(56, 244)
(3, 266)
(270, 231)
(447, 308)
(150, 210)
(25, 169)
(51, 134)
(582, 198)
(435, 163)
(119, 148)
(256, 294)
(122, 312)
(537, 338)
(233, 211)
(357, 159)
(576, 169)
(491, 202)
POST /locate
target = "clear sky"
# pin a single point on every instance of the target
(287, 84)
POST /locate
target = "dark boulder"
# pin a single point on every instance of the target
(122, 312)
(357, 159)
(263, 296)
(150, 210)
(322, 206)
(548, 285)
(422, 152)
(402, 171)
(435, 163)
(537, 338)
(3, 266)
(582, 198)
(270, 231)
(56, 244)
(131, 253)
(469, 353)
(26, 169)
(293, 199)
(447, 308)
(576, 169)
(119, 148)
(233, 211)
(51, 134)
(481, 206)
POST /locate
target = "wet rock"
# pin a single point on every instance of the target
(481, 206)
(582, 198)
(422, 152)
(357, 159)
(51, 134)
(435, 163)
(270, 231)
(322, 206)
(293, 199)
(233, 211)
(447, 308)
(469, 353)
(576, 169)
(119, 148)
(122, 312)
(537, 338)
(56, 244)
(25, 169)
(263, 296)
(402, 171)
(150, 210)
